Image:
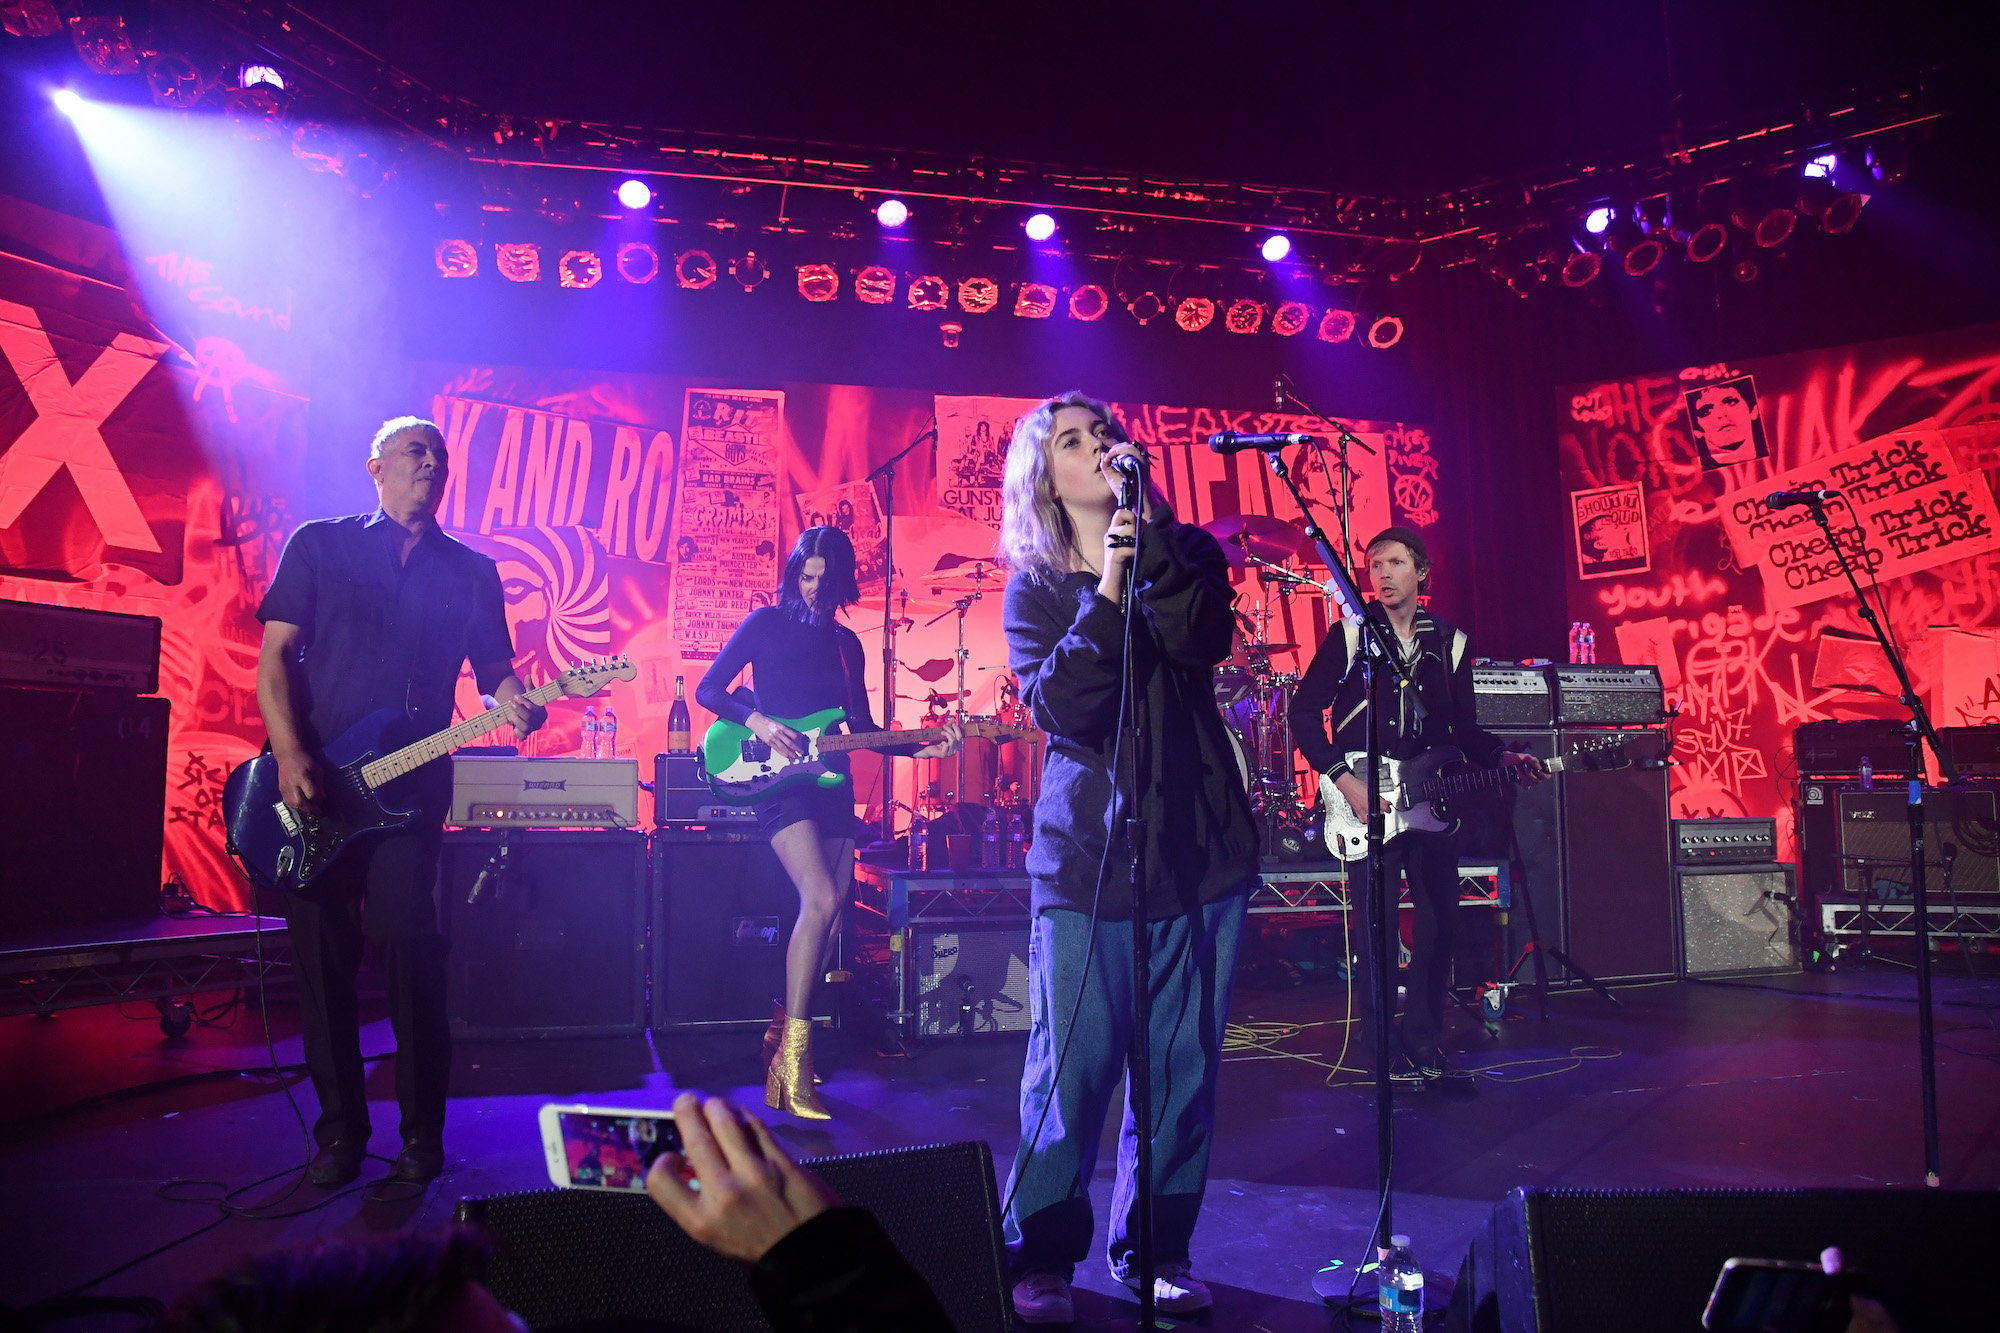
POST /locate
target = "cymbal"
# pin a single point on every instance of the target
(1260, 535)
(1256, 647)
(937, 696)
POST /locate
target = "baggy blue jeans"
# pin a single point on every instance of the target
(1193, 960)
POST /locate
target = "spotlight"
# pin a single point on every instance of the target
(1194, 313)
(1581, 269)
(1644, 256)
(1244, 316)
(1337, 325)
(1089, 302)
(1775, 227)
(1291, 318)
(635, 194)
(1276, 247)
(252, 75)
(1385, 332)
(892, 213)
(1597, 220)
(67, 102)
(1841, 215)
(1040, 227)
(1821, 167)
(1706, 242)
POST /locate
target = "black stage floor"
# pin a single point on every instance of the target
(1794, 1081)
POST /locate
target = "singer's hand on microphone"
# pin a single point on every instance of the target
(1115, 479)
(1120, 545)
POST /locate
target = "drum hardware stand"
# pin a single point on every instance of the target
(887, 473)
(961, 608)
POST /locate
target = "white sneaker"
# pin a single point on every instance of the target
(1043, 1298)
(1176, 1290)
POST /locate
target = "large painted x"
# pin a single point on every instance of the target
(65, 434)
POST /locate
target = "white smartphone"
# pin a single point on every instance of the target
(604, 1147)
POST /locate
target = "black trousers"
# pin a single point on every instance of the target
(1430, 862)
(382, 892)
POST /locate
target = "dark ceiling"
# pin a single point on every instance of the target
(1385, 98)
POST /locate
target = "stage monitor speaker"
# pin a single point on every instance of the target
(1645, 1261)
(556, 944)
(964, 978)
(1532, 818)
(723, 912)
(574, 1257)
(1737, 921)
(83, 799)
(1622, 923)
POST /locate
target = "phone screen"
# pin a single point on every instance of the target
(1776, 1296)
(609, 1150)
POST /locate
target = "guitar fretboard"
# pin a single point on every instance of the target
(414, 756)
(1472, 779)
(875, 740)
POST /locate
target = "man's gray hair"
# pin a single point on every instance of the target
(395, 426)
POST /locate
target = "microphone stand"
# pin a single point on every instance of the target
(1343, 436)
(1916, 732)
(887, 473)
(1375, 653)
(1139, 1054)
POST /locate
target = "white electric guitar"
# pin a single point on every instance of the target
(1420, 791)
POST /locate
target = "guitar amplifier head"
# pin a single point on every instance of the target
(1511, 696)
(1836, 749)
(1725, 841)
(1608, 695)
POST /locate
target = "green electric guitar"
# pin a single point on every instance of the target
(741, 768)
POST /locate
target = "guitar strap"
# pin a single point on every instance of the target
(1352, 634)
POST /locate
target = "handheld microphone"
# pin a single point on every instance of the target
(1786, 499)
(1131, 470)
(1235, 442)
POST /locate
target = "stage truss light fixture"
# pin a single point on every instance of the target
(1276, 248)
(638, 263)
(749, 270)
(1089, 302)
(1581, 269)
(978, 296)
(519, 261)
(950, 332)
(1337, 325)
(1194, 313)
(1146, 307)
(928, 293)
(1598, 220)
(892, 213)
(579, 269)
(819, 282)
(67, 102)
(30, 18)
(875, 285)
(694, 270)
(1385, 332)
(1644, 256)
(1291, 318)
(1821, 167)
(457, 258)
(635, 193)
(1244, 316)
(174, 81)
(1035, 300)
(249, 76)
(1841, 215)
(104, 43)
(1706, 242)
(1039, 227)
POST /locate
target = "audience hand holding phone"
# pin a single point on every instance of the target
(746, 1195)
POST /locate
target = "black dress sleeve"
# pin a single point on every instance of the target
(1184, 590)
(1065, 645)
(712, 690)
(839, 1272)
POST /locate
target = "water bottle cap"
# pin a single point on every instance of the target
(1399, 1242)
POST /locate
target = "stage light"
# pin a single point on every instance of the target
(950, 332)
(1821, 167)
(1385, 332)
(1581, 269)
(174, 80)
(635, 194)
(519, 261)
(638, 263)
(249, 76)
(67, 102)
(875, 285)
(457, 258)
(1706, 242)
(1276, 247)
(928, 293)
(1775, 227)
(892, 213)
(818, 282)
(694, 270)
(1194, 313)
(30, 18)
(1244, 316)
(749, 270)
(1036, 300)
(579, 269)
(1598, 220)
(1290, 319)
(1040, 226)
(1337, 325)
(978, 296)
(1841, 215)
(104, 43)
(1089, 302)
(1644, 256)
(1146, 307)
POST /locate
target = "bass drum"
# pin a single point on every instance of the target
(1232, 684)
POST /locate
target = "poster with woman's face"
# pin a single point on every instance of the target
(1724, 422)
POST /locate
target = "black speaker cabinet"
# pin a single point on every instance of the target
(588, 1257)
(1530, 818)
(1737, 921)
(1623, 923)
(723, 911)
(1959, 825)
(83, 797)
(1644, 1261)
(556, 945)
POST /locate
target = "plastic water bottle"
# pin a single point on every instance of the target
(607, 734)
(1589, 643)
(1399, 1286)
(1867, 774)
(992, 841)
(1017, 839)
(1575, 642)
(588, 749)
